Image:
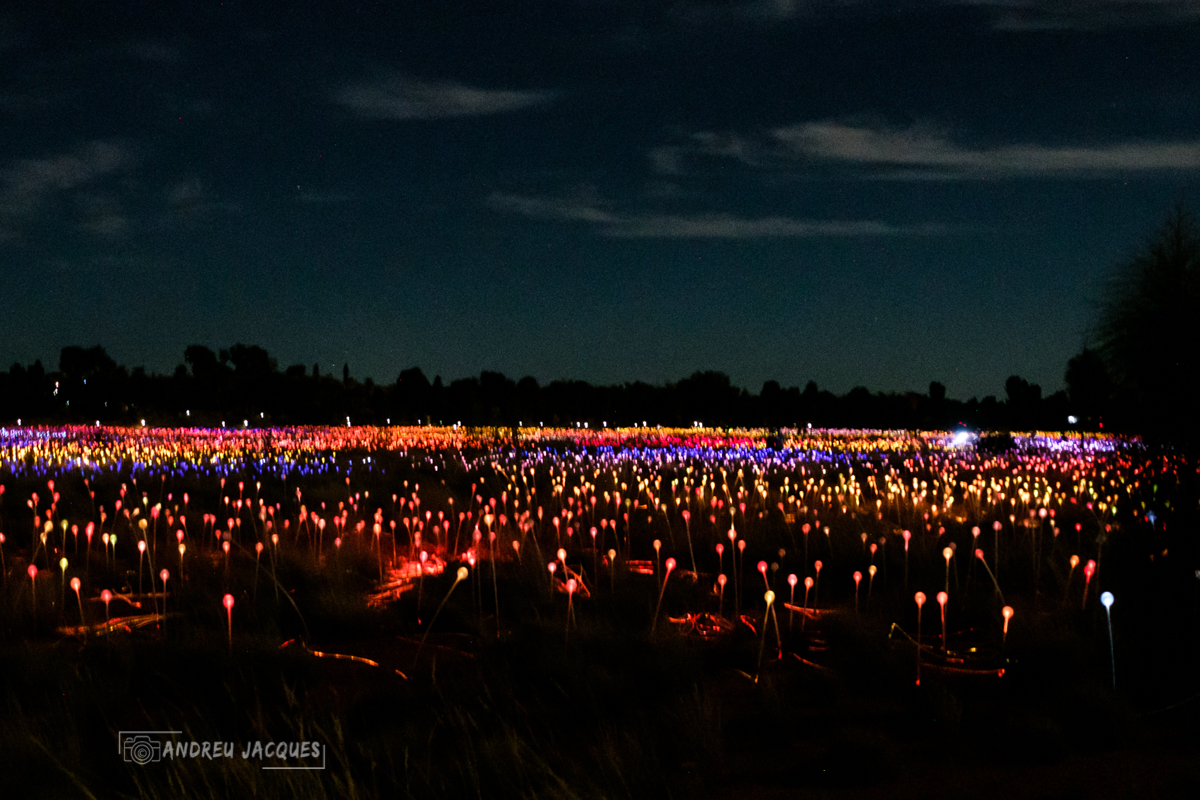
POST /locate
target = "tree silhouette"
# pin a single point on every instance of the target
(1147, 335)
(1088, 385)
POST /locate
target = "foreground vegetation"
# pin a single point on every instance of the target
(652, 682)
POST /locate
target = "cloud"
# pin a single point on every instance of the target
(923, 148)
(28, 184)
(191, 202)
(723, 226)
(1057, 15)
(1005, 15)
(406, 98)
(103, 215)
(324, 198)
(156, 52)
(543, 208)
(921, 153)
(700, 226)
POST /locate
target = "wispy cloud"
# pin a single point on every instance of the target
(103, 215)
(1052, 15)
(1006, 15)
(324, 198)
(921, 153)
(407, 98)
(545, 208)
(700, 226)
(192, 202)
(156, 51)
(920, 147)
(28, 184)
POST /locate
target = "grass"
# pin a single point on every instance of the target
(613, 711)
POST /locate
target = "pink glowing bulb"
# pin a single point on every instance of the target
(979, 553)
(975, 532)
(857, 579)
(942, 597)
(907, 535)
(670, 565)
(920, 598)
(141, 546)
(227, 601)
(722, 580)
(808, 582)
(742, 547)
(163, 577)
(793, 580)
(75, 584)
(552, 567)
(817, 566)
(179, 536)
(762, 567)
(1007, 611)
(720, 550)
(225, 546)
(572, 585)
(732, 535)
(337, 542)
(1089, 569)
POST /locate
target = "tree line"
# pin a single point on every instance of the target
(1136, 373)
(243, 385)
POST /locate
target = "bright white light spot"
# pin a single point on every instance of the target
(961, 438)
(1107, 599)
(1072, 419)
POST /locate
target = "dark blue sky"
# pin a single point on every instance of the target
(851, 193)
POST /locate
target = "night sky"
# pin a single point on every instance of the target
(851, 193)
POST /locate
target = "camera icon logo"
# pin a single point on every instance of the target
(142, 750)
